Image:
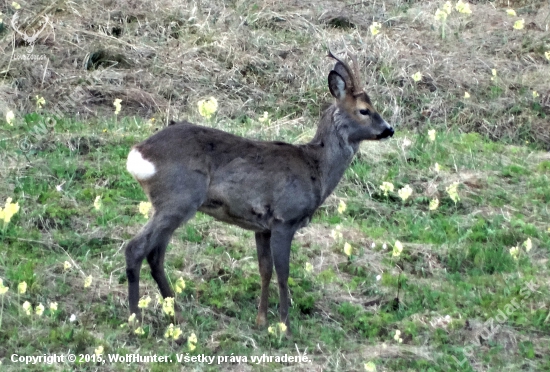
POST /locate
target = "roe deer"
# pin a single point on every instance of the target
(271, 188)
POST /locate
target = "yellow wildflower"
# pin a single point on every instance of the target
(168, 306)
(347, 249)
(375, 28)
(3, 289)
(139, 331)
(9, 210)
(40, 101)
(192, 341)
(98, 350)
(547, 55)
(335, 233)
(10, 116)
(514, 252)
(528, 245)
(342, 206)
(397, 249)
(117, 105)
(39, 310)
(27, 307)
(466, 95)
(53, 306)
(511, 12)
(519, 24)
(144, 208)
(67, 265)
(180, 285)
(386, 187)
(397, 336)
(535, 94)
(88, 281)
(463, 8)
(173, 332)
(169, 331)
(405, 192)
(417, 76)
(132, 318)
(144, 302)
(282, 327)
(264, 118)
(436, 167)
(22, 287)
(452, 190)
(308, 267)
(434, 203)
(15, 5)
(207, 107)
(97, 203)
(440, 15)
(370, 367)
(447, 7)
(494, 73)
(177, 333)
(431, 135)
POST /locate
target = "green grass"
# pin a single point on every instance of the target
(455, 261)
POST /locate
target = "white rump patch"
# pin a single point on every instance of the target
(139, 167)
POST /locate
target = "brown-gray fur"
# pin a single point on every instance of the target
(271, 188)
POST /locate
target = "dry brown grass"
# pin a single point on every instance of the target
(161, 57)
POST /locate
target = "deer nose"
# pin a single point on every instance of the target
(388, 132)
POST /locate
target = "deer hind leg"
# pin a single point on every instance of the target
(265, 262)
(150, 243)
(173, 206)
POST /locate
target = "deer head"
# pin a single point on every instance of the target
(362, 122)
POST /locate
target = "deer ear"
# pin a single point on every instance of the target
(341, 70)
(337, 85)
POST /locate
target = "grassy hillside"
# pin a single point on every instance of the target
(470, 289)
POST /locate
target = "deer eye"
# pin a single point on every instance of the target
(364, 112)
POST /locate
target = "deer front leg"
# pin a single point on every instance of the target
(281, 238)
(265, 262)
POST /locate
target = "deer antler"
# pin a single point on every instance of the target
(354, 74)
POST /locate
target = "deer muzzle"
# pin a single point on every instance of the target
(386, 133)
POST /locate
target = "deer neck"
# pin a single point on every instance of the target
(332, 150)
